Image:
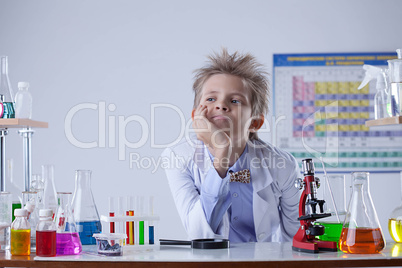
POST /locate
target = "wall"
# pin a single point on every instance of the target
(123, 56)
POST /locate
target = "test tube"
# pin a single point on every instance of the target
(141, 223)
(131, 226)
(151, 232)
(127, 222)
(120, 212)
(111, 214)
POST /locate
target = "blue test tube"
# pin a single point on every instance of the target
(151, 223)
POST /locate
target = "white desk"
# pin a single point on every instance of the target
(255, 254)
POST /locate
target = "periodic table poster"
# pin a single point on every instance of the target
(320, 113)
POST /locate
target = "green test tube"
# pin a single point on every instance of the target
(141, 223)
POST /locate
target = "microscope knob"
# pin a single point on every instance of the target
(317, 181)
(299, 184)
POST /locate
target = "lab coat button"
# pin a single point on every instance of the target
(235, 195)
(261, 236)
(235, 218)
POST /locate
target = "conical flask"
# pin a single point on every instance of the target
(49, 191)
(361, 230)
(67, 238)
(6, 90)
(395, 221)
(85, 213)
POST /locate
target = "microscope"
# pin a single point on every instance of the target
(305, 240)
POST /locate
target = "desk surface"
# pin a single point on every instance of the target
(259, 254)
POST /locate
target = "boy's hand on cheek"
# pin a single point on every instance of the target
(216, 139)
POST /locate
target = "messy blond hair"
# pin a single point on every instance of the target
(245, 66)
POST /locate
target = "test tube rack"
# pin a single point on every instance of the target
(154, 219)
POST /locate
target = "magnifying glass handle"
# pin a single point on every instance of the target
(174, 242)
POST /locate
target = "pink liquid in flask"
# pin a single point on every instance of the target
(68, 244)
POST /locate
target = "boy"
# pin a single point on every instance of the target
(229, 183)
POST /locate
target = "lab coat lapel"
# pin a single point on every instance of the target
(201, 158)
(261, 179)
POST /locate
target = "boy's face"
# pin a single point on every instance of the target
(228, 104)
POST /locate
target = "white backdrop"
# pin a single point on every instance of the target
(123, 56)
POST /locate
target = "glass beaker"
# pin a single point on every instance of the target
(49, 190)
(334, 192)
(67, 238)
(84, 209)
(395, 77)
(5, 220)
(30, 203)
(361, 231)
(395, 221)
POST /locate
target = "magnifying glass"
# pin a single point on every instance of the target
(197, 243)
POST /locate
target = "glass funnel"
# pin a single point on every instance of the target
(49, 190)
(85, 213)
(67, 238)
(395, 221)
(361, 230)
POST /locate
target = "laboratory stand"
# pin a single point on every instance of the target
(26, 131)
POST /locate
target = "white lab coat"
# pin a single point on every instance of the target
(275, 199)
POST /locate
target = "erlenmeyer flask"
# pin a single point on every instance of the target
(84, 209)
(334, 196)
(67, 238)
(361, 231)
(395, 221)
(6, 90)
(49, 191)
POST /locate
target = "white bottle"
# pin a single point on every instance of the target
(23, 101)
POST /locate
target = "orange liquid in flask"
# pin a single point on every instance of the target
(361, 241)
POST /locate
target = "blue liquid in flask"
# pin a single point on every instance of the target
(86, 229)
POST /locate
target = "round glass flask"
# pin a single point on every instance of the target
(395, 221)
(361, 230)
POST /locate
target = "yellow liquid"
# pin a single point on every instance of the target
(21, 242)
(395, 229)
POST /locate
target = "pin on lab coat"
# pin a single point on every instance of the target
(275, 199)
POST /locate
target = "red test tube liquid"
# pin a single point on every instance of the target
(111, 214)
(128, 229)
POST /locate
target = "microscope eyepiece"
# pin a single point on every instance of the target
(308, 166)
